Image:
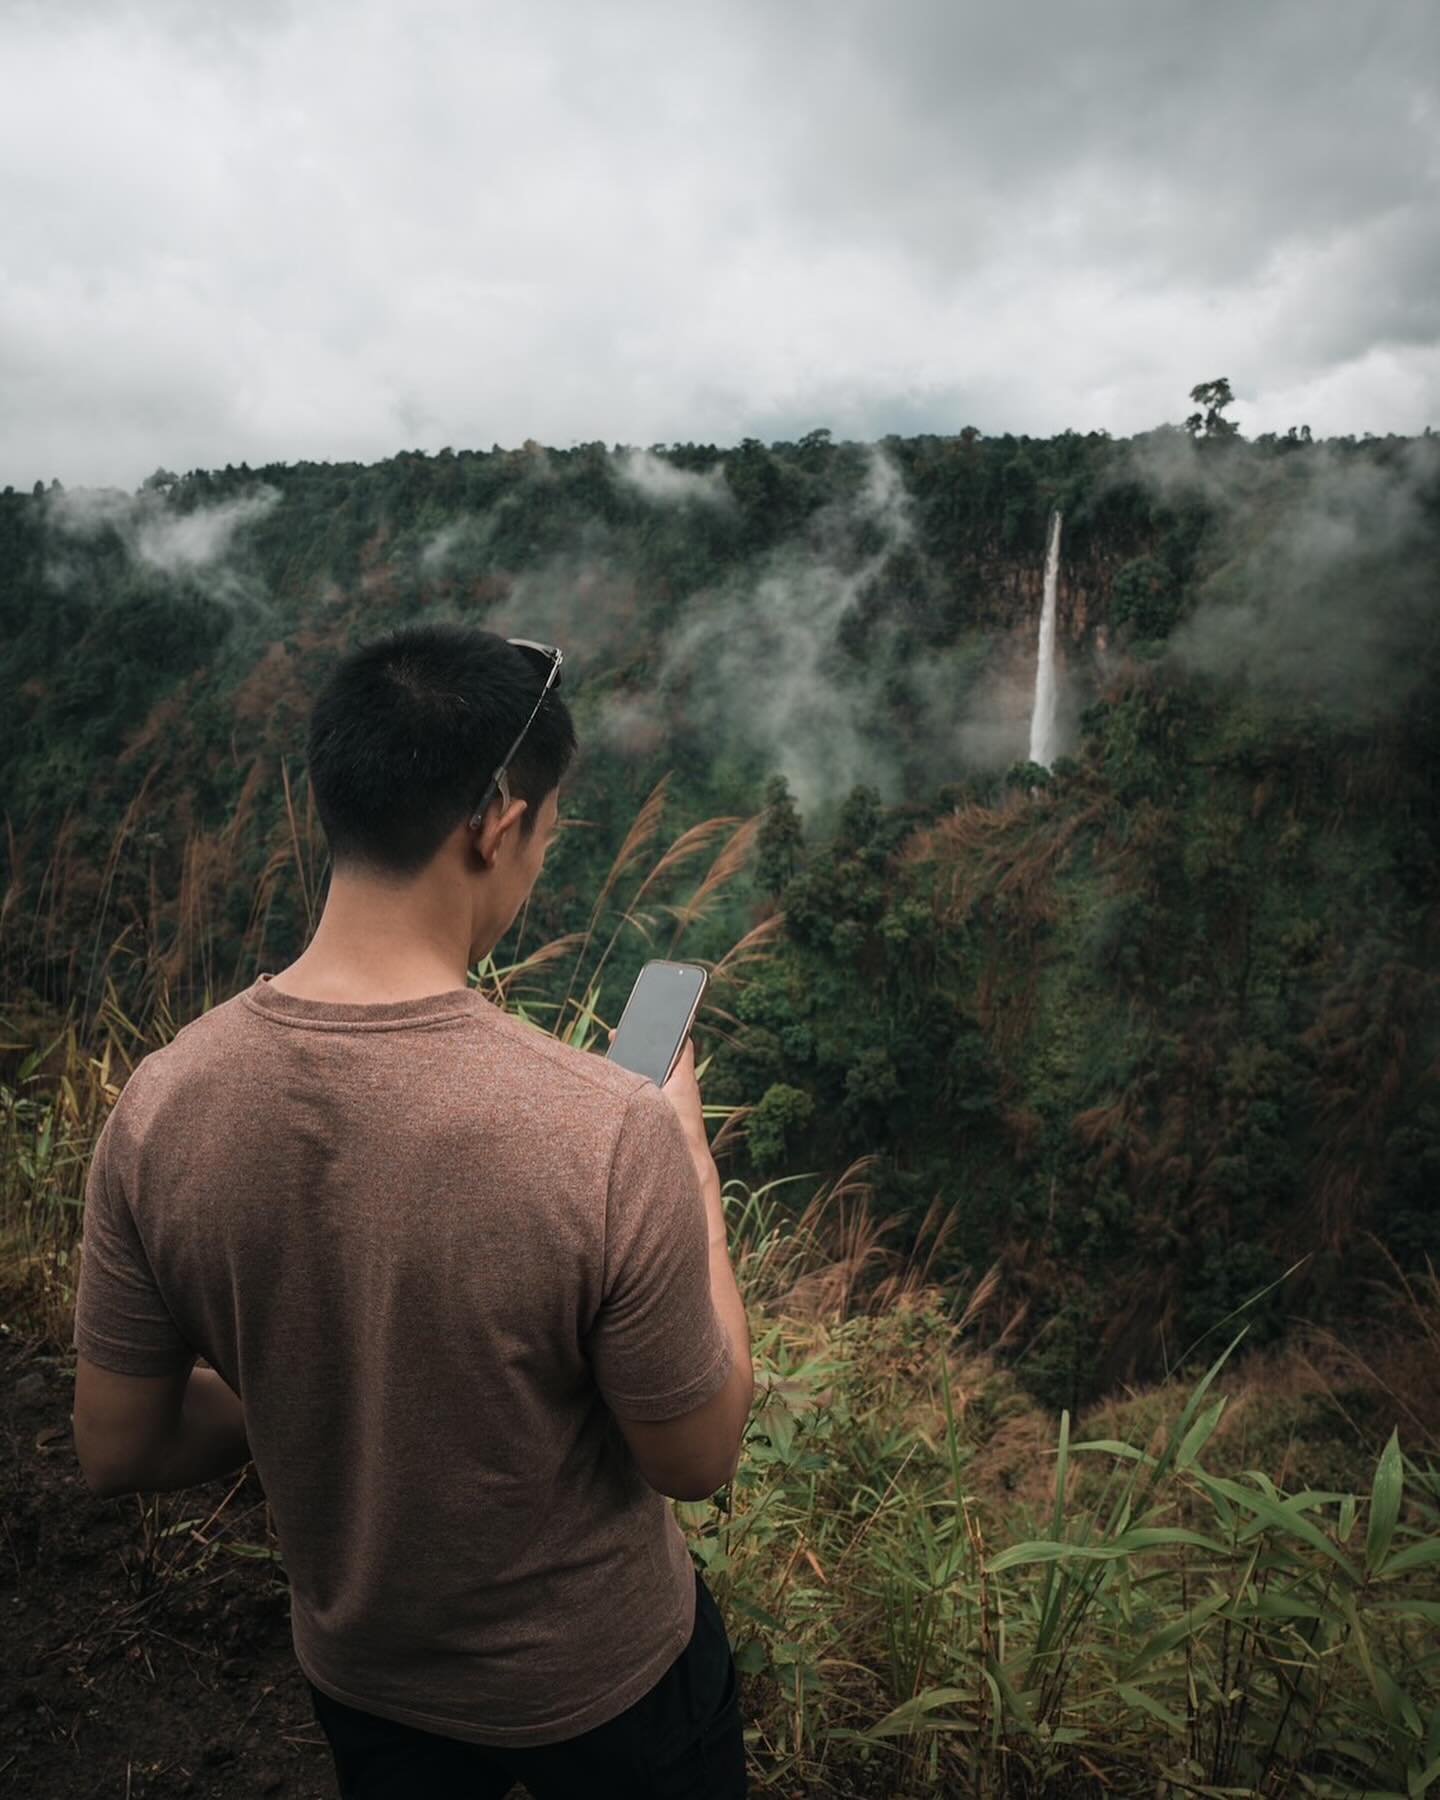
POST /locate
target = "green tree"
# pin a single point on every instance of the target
(781, 1112)
(781, 836)
(1214, 396)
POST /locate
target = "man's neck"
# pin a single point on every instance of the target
(373, 985)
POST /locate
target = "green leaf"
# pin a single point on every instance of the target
(1416, 1556)
(1014, 1700)
(1155, 1537)
(1040, 1552)
(1128, 1543)
(181, 1527)
(1274, 1513)
(757, 1615)
(1166, 1639)
(1384, 1504)
(914, 1714)
(1192, 1405)
(1408, 1609)
(1134, 1696)
(1418, 1780)
(1281, 1606)
(750, 1658)
(1199, 1434)
(777, 1422)
(1113, 1447)
(1049, 1609)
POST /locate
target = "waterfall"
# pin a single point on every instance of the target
(1042, 719)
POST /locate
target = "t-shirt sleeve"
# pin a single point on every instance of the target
(121, 1322)
(657, 1347)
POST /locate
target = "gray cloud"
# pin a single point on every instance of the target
(766, 656)
(155, 533)
(202, 545)
(666, 485)
(1332, 598)
(332, 232)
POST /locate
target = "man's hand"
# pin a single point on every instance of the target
(682, 1090)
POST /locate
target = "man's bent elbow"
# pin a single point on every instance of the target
(104, 1483)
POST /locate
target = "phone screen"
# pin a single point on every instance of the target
(657, 1018)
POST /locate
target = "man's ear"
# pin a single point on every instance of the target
(495, 828)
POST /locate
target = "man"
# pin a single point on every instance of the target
(465, 1291)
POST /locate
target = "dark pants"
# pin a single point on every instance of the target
(681, 1741)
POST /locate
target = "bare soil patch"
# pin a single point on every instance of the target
(144, 1645)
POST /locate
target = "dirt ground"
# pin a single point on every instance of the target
(142, 1652)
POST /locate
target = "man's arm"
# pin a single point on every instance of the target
(725, 1293)
(145, 1417)
(149, 1433)
(683, 1092)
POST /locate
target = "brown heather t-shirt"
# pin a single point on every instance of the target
(431, 1249)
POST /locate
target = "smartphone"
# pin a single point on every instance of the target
(657, 1019)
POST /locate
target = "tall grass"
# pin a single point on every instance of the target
(1164, 1623)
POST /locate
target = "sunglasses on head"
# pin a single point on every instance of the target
(553, 657)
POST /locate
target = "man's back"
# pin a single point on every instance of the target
(427, 1245)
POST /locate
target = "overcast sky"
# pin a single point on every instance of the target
(335, 230)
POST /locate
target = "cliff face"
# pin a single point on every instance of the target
(1008, 596)
(1015, 591)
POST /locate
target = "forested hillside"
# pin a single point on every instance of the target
(1146, 1028)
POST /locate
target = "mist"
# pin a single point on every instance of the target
(665, 485)
(203, 546)
(1323, 586)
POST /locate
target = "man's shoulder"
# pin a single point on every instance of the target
(583, 1073)
(173, 1067)
(540, 1066)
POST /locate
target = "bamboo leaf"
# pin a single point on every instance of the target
(1408, 1609)
(1013, 1699)
(1385, 1498)
(1113, 1447)
(913, 1714)
(1281, 1606)
(1147, 1703)
(1275, 1514)
(1419, 1780)
(1199, 1434)
(1155, 1537)
(1192, 1405)
(1416, 1556)
(1169, 1636)
(1040, 1552)
(1127, 1543)
(756, 1614)
(1049, 1612)
(1396, 1706)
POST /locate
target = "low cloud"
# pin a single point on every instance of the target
(763, 663)
(665, 485)
(202, 545)
(157, 534)
(178, 543)
(437, 551)
(1323, 582)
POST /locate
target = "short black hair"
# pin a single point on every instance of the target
(409, 729)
